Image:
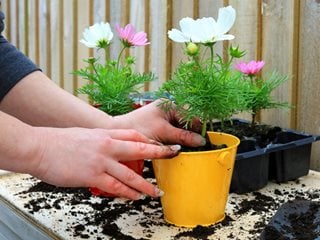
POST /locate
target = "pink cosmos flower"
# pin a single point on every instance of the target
(250, 68)
(130, 37)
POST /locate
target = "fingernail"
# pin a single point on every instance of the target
(159, 192)
(175, 148)
(200, 140)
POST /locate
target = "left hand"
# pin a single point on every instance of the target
(157, 124)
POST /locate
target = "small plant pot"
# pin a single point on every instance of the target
(196, 184)
(136, 166)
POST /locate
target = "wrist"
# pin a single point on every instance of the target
(19, 145)
(33, 150)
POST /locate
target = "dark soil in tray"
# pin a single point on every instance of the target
(295, 220)
(104, 213)
(261, 133)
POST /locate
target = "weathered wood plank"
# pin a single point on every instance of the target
(32, 32)
(44, 37)
(68, 45)
(12, 30)
(83, 21)
(277, 52)
(119, 13)
(180, 9)
(21, 44)
(101, 13)
(246, 31)
(308, 107)
(55, 41)
(159, 59)
(137, 18)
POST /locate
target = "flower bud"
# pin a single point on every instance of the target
(192, 49)
(91, 60)
(130, 60)
(236, 53)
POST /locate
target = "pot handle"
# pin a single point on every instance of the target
(224, 159)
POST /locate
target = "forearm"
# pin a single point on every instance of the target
(18, 146)
(38, 101)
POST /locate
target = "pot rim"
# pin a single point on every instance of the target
(237, 142)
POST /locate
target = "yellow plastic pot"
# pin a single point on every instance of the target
(196, 184)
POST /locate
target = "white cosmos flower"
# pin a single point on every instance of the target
(98, 35)
(205, 30)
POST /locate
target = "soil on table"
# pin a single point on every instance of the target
(295, 220)
(101, 220)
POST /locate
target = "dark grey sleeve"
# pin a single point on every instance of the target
(14, 65)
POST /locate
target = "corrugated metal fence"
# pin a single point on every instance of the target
(283, 33)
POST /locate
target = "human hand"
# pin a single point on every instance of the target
(79, 157)
(159, 125)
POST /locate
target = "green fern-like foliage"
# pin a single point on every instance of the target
(205, 91)
(109, 86)
(258, 93)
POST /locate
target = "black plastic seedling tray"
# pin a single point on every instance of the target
(285, 158)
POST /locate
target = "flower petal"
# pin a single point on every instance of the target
(226, 19)
(250, 68)
(177, 36)
(202, 31)
(224, 37)
(140, 39)
(187, 27)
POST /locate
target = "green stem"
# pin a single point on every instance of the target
(94, 69)
(211, 55)
(251, 79)
(204, 128)
(196, 60)
(106, 54)
(211, 125)
(119, 57)
(253, 120)
(222, 124)
(229, 63)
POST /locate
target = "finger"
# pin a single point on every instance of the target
(112, 185)
(132, 180)
(128, 150)
(185, 137)
(128, 135)
(176, 134)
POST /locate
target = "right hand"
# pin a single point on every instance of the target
(79, 157)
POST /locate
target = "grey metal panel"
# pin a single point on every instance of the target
(14, 226)
(6, 233)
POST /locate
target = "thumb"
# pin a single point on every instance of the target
(185, 137)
